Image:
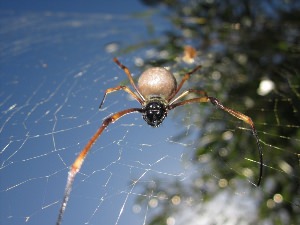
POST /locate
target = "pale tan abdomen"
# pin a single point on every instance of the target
(157, 81)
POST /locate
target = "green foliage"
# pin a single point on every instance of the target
(246, 42)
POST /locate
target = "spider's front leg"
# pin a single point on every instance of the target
(236, 114)
(247, 120)
(75, 168)
(216, 102)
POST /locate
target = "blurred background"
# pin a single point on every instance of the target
(201, 165)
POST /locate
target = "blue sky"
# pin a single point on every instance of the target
(54, 71)
(83, 6)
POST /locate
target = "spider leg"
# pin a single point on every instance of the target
(234, 113)
(128, 73)
(249, 121)
(200, 92)
(75, 168)
(184, 79)
(124, 88)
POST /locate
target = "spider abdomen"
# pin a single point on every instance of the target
(157, 81)
(155, 112)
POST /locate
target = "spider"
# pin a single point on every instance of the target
(156, 91)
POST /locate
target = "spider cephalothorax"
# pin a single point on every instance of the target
(156, 91)
(155, 111)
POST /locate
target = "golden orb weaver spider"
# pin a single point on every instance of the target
(156, 90)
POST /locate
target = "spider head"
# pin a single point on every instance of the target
(155, 111)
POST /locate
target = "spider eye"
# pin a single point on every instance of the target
(154, 113)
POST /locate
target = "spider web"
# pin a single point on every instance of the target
(54, 71)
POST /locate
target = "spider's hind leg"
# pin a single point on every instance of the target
(184, 79)
(125, 88)
(128, 73)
